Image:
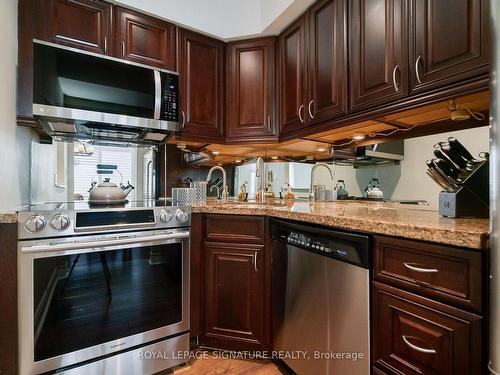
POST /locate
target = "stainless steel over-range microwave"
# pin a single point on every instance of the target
(84, 95)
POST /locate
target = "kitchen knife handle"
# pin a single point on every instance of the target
(454, 156)
(455, 143)
(441, 155)
(447, 168)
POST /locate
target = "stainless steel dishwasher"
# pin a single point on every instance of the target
(321, 299)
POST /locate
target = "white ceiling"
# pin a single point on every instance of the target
(226, 19)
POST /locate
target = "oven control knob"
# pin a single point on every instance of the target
(60, 222)
(181, 216)
(35, 223)
(165, 216)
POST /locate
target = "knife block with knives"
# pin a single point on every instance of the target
(463, 178)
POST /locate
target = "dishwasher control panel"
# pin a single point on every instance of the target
(349, 247)
(303, 240)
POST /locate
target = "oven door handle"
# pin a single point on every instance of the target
(106, 243)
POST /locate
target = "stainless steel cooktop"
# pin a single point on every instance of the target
(59, 219)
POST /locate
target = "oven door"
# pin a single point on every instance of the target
(82, 298)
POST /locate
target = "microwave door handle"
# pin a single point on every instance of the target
(157, 109)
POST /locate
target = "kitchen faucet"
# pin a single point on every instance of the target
(217, 189)
(224, 185)
(260, 174)
(311, 188)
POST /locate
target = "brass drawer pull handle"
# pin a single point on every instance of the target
(417, 348)
(419, 269)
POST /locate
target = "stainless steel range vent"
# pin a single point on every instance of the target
(390, 152)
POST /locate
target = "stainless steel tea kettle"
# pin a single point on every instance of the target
(107, 192)
(373, 189)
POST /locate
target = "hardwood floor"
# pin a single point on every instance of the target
(211, 364)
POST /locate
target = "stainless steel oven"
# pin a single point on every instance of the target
(94, 303)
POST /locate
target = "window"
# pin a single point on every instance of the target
(86, 166)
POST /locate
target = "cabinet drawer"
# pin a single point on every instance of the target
(377, 371)
(235, 228)
(415, 335)
(447, 274)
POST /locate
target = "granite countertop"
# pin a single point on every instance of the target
(8, 217)
(412, 222)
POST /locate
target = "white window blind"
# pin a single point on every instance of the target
(86, 166)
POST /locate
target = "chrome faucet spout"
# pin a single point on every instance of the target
(313, 170)
(260, 173)
(224, 181)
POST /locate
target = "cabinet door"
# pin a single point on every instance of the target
(144, 39)
(234, 298)
(448, 42)
(201, 64)
(378, 47)
(327, 84)
(417, 336)
(83, 24)
(251, 90)
(293, 76)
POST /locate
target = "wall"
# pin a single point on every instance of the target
(278, 14)
(44, 169)
(226, 19)
(14, 140)
(222, 18)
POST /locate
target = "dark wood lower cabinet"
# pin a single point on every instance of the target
(234, 290)
(8, 298)
(231, 294)
(414, 335)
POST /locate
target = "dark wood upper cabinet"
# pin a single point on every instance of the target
(448, 42)
(234, 290)
(378, 52)
(251, 90)
(144, 39)
(293, 76)
(201, 74)
(328, 82)
(83, 24)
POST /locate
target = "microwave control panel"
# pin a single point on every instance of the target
(170, 98)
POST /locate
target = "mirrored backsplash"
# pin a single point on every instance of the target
(64, 171)
(406, 181)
